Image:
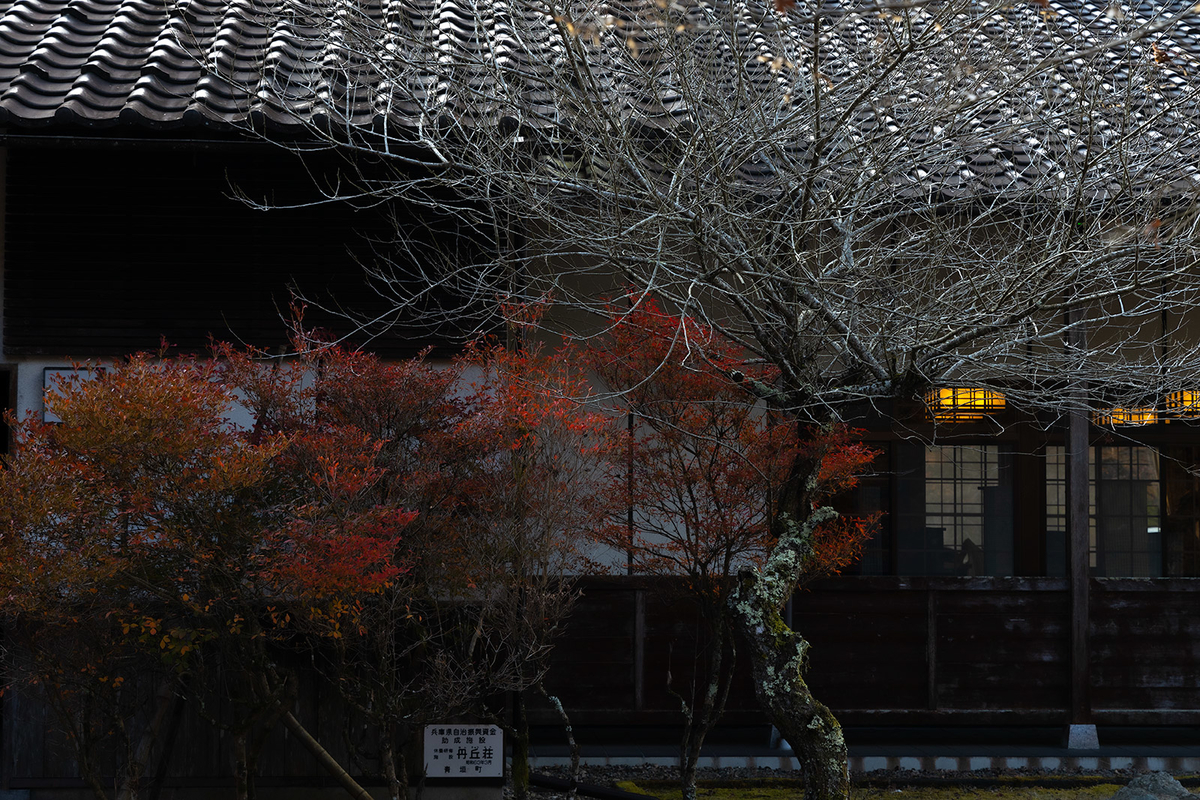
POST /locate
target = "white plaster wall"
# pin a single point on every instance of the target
(31, 383)
(31, 380)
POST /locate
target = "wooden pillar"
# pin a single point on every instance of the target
(639, 649)
(1078, 517)
(931, 610)
(1077, 564)
(629, 529)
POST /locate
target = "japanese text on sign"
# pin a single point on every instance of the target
(464, 751)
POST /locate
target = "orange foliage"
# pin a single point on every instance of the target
(147, 499)
(707, 457)
(839, 459)
(189, 514)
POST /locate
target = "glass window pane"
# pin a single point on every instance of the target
(1179, 509)
(1126, 513)
(955, 510)
(1056, 511)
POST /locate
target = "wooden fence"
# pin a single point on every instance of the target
(910, 651)
(885, 651)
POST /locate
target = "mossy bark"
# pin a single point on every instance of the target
(558, 706)
(777, 657)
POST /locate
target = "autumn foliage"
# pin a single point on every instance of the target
(707, 458)
(709, 470)
(212, 520)
(404, 529)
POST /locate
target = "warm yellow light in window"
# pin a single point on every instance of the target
(1142, 415)
(963, 404)
(1184, 405)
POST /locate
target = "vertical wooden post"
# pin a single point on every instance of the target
(931, 692)
(1078, 517)
(639, 650)
(1078, 569)
(629, 499)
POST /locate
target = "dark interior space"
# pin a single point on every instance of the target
(112, 252)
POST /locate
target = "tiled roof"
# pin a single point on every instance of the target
(205, 63)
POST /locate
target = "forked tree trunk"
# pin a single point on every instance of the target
(777, 653)
(701, 718)
(165, 698)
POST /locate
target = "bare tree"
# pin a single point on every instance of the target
(872, 198)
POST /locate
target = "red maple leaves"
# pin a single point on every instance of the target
(707, 458)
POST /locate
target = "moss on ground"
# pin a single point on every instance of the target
(784, 789)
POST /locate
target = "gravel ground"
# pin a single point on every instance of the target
(610, 775)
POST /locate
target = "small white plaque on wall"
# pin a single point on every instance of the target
(464, 750)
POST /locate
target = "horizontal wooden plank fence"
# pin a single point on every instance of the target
(908, 651)
(885, 652)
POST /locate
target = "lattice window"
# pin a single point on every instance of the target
(956, 511)
(1125, 511)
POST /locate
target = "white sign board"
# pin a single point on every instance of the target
(465, 750)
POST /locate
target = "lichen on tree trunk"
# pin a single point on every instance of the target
(777, 657)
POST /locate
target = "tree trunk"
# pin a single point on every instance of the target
(131, 787)
(694, 732)
(520, 748)
(777, 657)
(402, 744)
(241, 765)
(395, 760)
(388, 757)
(706, 711)
(687, 770)
(571, 743)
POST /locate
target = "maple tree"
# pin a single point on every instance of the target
(501, 462)
(545, 489)
(375, 440)
(147, 533)
(705, 463)
(405, 526)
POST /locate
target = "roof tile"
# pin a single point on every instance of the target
(168, 63)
